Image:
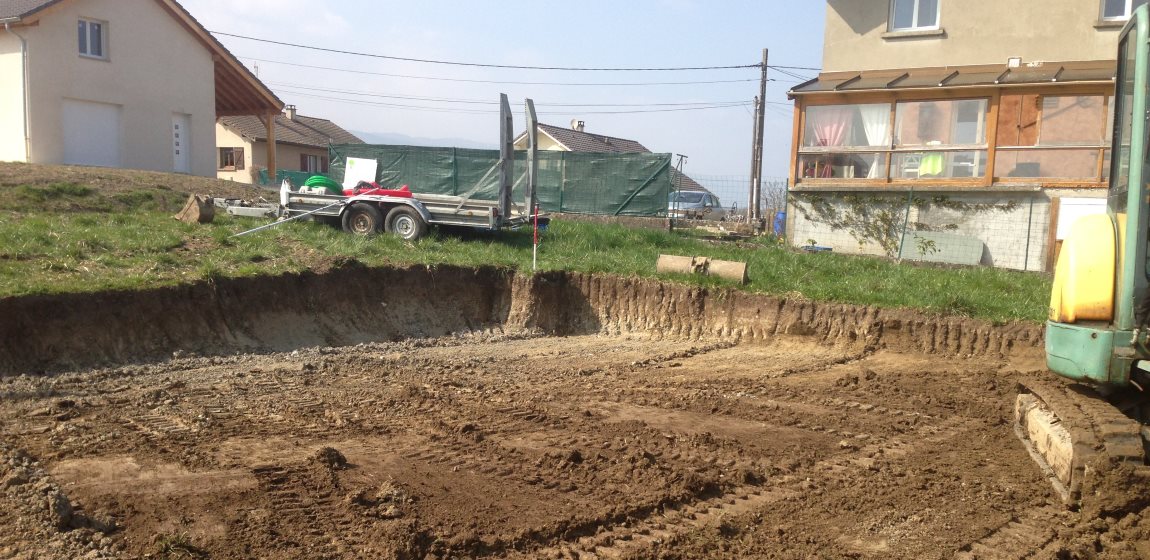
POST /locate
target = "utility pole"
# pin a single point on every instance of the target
(757, 179)
(754, 162)
(678, 184)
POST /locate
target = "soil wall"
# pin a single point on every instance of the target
(353, 304)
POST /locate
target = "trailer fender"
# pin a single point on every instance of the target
(418, 206)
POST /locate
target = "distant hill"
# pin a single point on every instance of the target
(405, 140)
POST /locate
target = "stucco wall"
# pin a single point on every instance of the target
(11, 99)
(287, 156)
(256, 155)
(154, 69)
(226, 138)
(976, 32)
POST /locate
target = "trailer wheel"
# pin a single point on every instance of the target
(363, 219)
(405, 222)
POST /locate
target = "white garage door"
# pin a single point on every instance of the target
(91, 133)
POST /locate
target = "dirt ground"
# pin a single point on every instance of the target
(644, 439)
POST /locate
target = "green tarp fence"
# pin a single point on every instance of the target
(583, 183)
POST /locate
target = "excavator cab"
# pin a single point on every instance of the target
(1099, 325)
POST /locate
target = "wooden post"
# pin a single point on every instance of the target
(759, 123)
(269, 121)
(1052, 234)
(754, 162)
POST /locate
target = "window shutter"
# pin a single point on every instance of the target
(303, 162)
(238, 154)
(323, 164)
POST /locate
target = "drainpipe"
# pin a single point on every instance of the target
(24, 89)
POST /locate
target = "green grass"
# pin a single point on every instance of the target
(100, 250)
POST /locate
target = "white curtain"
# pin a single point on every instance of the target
(876, 125)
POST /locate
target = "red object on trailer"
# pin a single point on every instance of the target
(374, 189)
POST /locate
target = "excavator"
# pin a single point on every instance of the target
(1098, 328)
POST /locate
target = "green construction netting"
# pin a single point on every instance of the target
(583, 183)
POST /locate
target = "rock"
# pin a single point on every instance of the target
(17, 478)
(60, 510)
(330, 457)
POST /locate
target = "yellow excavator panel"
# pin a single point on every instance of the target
(1084, 276)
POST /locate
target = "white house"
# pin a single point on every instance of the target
(135, 84)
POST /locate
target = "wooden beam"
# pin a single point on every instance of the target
(990, 131)
(1052, 234)
(269, 121)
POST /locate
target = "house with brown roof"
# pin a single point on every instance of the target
(577, 139)
(119, 84)
(301, 144)
(993, 128)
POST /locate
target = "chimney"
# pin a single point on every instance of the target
(289, 111)
(577, 125)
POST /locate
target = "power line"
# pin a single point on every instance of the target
(481, 102)
(364, 72)
(482, 65)
(793, 75)
(773, 67)
(483, 111)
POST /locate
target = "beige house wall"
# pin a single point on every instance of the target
(226, 138)
(154, 69)
(972, 32)
(256, 155)
(11, 99)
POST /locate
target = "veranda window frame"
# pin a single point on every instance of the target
(986, 179)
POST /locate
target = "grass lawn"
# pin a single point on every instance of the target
(76, 237)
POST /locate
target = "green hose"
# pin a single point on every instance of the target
(325, 182)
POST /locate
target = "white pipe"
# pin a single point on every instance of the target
(24, 90)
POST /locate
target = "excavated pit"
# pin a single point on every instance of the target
(453, 412)
(353, 305)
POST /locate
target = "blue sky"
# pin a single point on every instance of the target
(588, 33)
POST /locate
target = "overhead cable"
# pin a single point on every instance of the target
(483, 65)
(485, 102)
(367, 73)
(483, 111)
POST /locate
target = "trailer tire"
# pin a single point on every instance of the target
(363, 219)
(405, 222)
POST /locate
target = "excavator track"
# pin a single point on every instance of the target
(1072, 432)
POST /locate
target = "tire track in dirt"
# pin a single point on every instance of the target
(661, 527)
(584, 450)
(1024, 536)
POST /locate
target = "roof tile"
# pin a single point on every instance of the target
(20, 8)
(303, 131)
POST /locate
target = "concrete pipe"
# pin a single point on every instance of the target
(730, 270)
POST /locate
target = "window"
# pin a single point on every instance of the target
(312, 164)
(1119, 9)
(93, 38)
(858, 129)
(231, 159)
(930, 140)
(913, 15)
